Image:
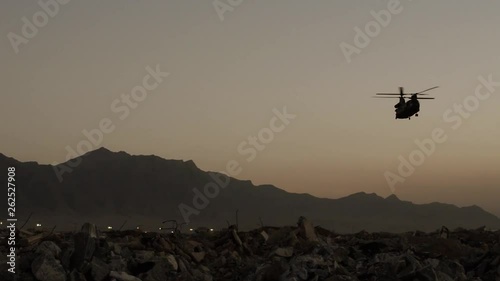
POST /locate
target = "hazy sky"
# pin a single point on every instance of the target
(227, 76)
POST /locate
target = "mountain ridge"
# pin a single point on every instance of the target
(120, 184)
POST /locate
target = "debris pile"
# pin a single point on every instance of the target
(294, 253)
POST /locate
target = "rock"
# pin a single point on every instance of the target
(99, 269)
(236, 238)
(182, 266)
(181, 253)
(307, 230)
(76, 276)
(207, 277)
(144, 256)
(24, 261)
(453, 269)
(204, 269)
(427, 274)
(273, 272)
(409, 267)
(450, 248)
(443, 277)
(302, 274)
(310, 261)
(117, 249)
(234, 258)
(341, 278)
(284, 252)
(171, 259)
(126, 253)
(195, 244)
(278, 253)
(292, 239)
(158, 272)
(84, 251)
(281, 237)
(66, 258)
(47, 268)
(373, 247)
(385, 258)
(220, 262)
(123, 276)
(198, 256)
(444, 233)
(339, 269)
(165, 245)
(90, 229)
(134, 244)
(264, 235)
(48, 248)
(433, 262)
(197, 274)
(117, 263)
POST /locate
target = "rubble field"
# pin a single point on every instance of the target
(293, 253)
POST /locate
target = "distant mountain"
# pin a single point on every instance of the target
(110, 186)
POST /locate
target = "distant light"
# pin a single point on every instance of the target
(190, 229)
(172, 231)
(137, 228)
(1, 222)
(159, 228)
(109, 227)
(38, 224)
(211, 229)
(145, 232)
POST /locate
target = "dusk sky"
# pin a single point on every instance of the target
(229, 69)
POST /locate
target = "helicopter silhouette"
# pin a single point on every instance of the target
(405, 109)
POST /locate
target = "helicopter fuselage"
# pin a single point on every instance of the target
(406, 109)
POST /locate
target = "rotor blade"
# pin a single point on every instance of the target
(389, 94)
(425, 98)
(386, 97)
(417, 94)
(427, 90)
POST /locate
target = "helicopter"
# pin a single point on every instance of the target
(406, 109)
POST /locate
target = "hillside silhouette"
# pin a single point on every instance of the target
(116, 185)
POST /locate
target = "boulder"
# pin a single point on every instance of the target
(48, 268)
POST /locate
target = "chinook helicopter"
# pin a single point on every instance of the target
(406, 109)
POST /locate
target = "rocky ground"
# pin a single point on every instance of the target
(301, 252)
